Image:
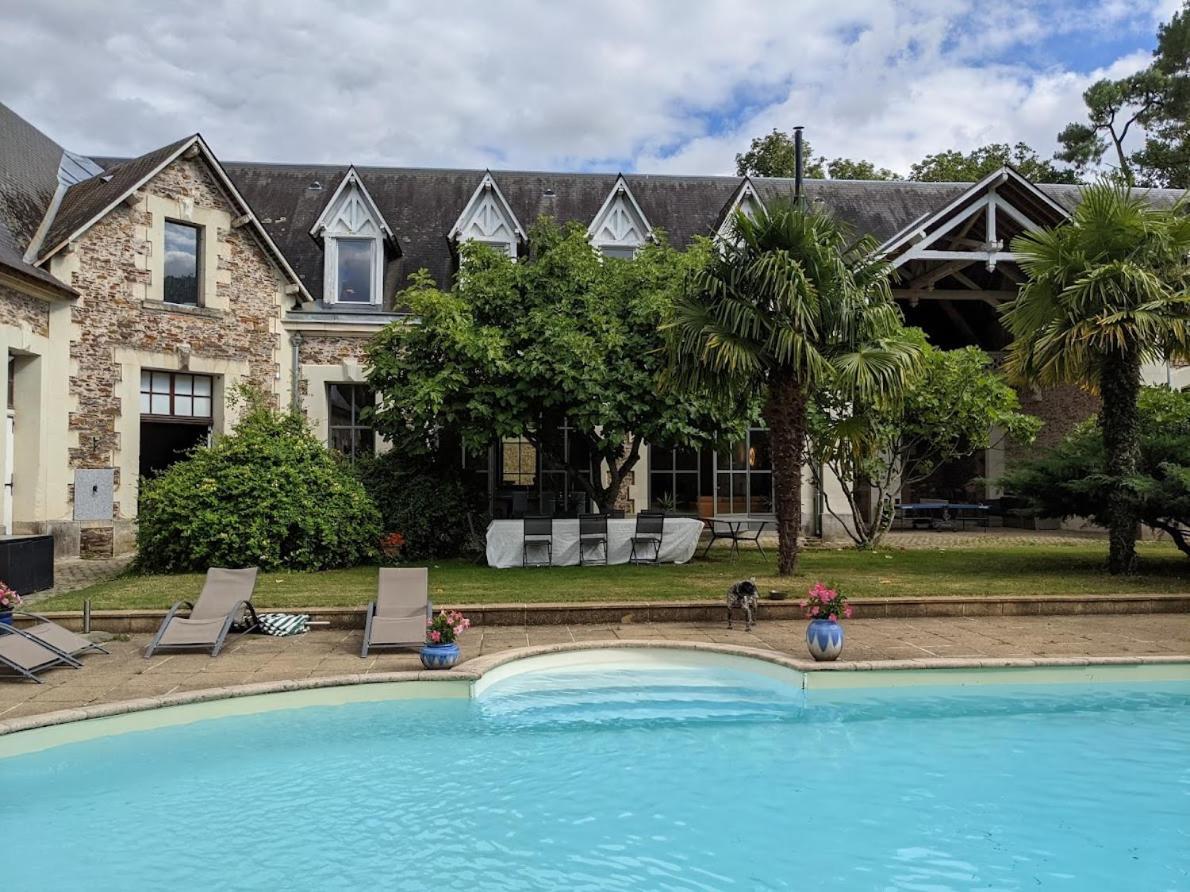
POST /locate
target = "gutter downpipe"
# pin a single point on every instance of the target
(295, 398)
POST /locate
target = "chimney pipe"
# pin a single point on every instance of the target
(797, 170)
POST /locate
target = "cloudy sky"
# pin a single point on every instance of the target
(644, 85)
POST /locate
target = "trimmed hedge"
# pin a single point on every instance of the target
(269, 495)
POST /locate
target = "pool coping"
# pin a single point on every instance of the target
(473, 670)
(629, 612)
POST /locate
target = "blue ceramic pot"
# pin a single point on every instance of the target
(439, 656)
(5, 618)
(824, 637)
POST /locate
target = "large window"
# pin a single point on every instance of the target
(175, 395)
(531, 482)
(182, 246)
(744, 476)
(356, 261)
(673, 480)
(350, 433)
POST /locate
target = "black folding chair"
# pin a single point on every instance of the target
(592, 532)
(650, 526)
(538, 531)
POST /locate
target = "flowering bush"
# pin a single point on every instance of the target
(391, 545)
(9, 600)
(443, 628)
(826, 603)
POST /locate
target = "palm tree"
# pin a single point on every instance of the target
(791, 302)
(1106, 293)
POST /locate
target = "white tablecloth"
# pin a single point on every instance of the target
(678, 542)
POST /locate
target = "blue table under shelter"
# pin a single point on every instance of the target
(943, 515)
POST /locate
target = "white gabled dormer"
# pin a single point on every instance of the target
(489, 220)
(745, 199)
(353, 233)
(620, 227)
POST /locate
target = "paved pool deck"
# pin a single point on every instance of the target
(126, 675)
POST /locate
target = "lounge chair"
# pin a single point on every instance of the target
(225, 597)
(57, 637)
(27, 656)
(398, 616)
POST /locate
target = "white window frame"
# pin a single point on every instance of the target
(487, 219)
(620, 222)
(351, 214)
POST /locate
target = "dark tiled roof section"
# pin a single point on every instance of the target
(85, 200)
(28, 178)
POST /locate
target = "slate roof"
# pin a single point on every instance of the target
(28, 179)
(421, 205)
(83, 201)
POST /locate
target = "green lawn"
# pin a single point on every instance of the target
(1076, 568)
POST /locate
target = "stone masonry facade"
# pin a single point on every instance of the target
(115, 309)
(20, 310)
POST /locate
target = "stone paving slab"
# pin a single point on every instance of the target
(126, 675)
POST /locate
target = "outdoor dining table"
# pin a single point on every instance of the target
(679, 541)
(737, 529)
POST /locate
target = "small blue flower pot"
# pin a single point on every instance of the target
(824, 637)
(6, 618)
(439, 656)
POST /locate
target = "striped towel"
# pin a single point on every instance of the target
(282, 625)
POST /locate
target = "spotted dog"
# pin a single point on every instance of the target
(742, 596)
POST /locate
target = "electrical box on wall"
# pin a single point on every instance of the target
(94, 493)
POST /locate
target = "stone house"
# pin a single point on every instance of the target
(136, 294)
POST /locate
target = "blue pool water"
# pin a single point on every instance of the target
(665, 778)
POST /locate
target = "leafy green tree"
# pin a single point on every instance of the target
(952, 408)
(269, 494)
(1142, 121)
(1071, 480)
(792, 304)
(515, 349)
(1106, 293)
(847, 169)
(953, 166)
(775, 155)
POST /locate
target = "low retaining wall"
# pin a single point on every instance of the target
(134, 621)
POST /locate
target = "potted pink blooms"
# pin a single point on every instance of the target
(441, 651)
(824, 607)
(9, 601)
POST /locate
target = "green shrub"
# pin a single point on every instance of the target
(268, 495)
(426, 503)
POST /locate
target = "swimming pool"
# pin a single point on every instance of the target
(627, 773)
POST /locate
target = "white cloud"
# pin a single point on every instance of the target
(664, 85)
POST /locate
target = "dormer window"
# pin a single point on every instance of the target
(745, 199)
(353, 234)
(488, 219)
(620, 227)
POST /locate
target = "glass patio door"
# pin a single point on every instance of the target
(744, 477)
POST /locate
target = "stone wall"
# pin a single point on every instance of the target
(319, 349)
(1060, 409)
(20, 311)
(119, 307)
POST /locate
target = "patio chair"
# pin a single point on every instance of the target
(592, 532)
(538, 532)
(398, 616)
(646, 541)
(56, 637)
(226, 597)
(28, 657)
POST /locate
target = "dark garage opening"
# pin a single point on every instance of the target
(164, 442)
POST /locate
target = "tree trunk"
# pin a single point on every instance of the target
(1119, 387)
(785, 415)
